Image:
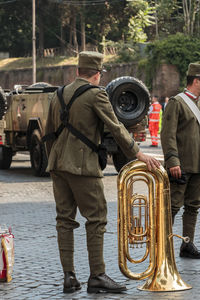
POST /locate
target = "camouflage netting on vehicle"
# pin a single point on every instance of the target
(3, 104)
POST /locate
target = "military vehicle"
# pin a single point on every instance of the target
(23, 113)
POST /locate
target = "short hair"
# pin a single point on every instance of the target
(190, 79)
(87, 72)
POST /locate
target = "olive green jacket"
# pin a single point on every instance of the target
(87, 114)
(180, 136)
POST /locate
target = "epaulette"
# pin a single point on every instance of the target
(102, 88)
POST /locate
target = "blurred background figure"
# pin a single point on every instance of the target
(154, 118)
(165, 103)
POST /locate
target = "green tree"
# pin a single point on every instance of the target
(169, 17)
(142, 16)
(15, 24)
(178, 50)
(190, 10)
(177, 16)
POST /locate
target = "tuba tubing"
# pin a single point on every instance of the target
(161, 272)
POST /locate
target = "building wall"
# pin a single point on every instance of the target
(165, 83)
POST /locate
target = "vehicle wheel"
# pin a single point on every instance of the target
(38, 154)
(5, 157)
(130, 99)
(119, 160)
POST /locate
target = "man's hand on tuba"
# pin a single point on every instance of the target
(151, 162)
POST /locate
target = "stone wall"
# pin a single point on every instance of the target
(165, 83)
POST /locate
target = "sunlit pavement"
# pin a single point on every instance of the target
(27, 205)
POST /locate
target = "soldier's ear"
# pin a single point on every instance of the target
(96, 76)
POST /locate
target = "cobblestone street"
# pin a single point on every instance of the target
(27, 205)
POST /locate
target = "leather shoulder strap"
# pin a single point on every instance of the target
(65, 109)
(191, 105)
(77, 93)
(60, 96)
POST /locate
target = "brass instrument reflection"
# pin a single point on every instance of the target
(145, 221)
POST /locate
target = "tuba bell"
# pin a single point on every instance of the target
(144, 220)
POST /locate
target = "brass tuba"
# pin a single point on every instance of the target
(145, 220)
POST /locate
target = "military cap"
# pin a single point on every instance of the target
(90, 60)
(194, 69)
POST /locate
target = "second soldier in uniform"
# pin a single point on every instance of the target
(180, 138)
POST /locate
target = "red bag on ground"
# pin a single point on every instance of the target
(6, 254)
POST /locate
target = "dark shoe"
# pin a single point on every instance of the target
(189, 250)
(153, 146)
(103, 283)
(71, 284)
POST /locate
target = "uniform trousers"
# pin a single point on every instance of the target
(154, 129)
(188, 196)
(87, 194)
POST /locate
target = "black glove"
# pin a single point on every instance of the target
(181, 180)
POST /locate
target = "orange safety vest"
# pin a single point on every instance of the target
(154, 115)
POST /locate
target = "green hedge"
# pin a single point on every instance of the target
(178, 50)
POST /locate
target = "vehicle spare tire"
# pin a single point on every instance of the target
(130, 99)
(39, 85)
(3, 104)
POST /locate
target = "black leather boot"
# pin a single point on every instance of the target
(71, 284)
(189, 250)
(103, 283)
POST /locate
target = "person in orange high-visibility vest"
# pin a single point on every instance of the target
(154, 117)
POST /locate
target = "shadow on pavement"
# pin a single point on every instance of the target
(21, 174)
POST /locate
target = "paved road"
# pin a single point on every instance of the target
(27, 205)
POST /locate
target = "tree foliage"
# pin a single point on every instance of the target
(178, 16)
(178, 50)
(190, 10)
(71, 24)
(74, 25)
(15, 33)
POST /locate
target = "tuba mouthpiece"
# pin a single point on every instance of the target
(186, 239)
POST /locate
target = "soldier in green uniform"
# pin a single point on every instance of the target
(180, 138)
(77, 176)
